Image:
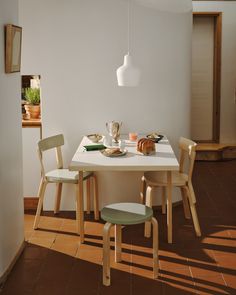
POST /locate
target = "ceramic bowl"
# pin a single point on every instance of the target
(94, 137)
(155, 136)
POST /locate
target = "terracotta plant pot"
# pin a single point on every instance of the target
(33, 111)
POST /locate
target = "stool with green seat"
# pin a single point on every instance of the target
(125, 214)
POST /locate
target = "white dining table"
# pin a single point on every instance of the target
(163, 160)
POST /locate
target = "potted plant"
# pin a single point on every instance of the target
(32, 106)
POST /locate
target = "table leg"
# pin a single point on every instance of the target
(88, 198)
(81, 207)
(169, 206)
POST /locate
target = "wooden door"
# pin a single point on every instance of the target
(205, 104)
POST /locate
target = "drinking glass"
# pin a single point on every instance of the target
(133, 136)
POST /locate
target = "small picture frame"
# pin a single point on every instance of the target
(13, 37)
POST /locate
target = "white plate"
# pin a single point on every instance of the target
(124, 152)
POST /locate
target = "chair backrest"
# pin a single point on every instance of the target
(187, 151)
(50, 143)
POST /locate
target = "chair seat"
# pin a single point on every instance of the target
(126, 213)
(65, 176)
(160, 178)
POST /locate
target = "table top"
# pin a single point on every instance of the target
(163, 160)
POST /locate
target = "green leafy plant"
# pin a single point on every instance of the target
(32, 95)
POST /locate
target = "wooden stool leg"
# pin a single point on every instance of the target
(163, 205)
(143, 191)
(147, 231)
(95, 196)
(118, 248)
(41, 192)
(185, 203)
(106, 254)
(58, 198)
(155, 248)
(88, 195)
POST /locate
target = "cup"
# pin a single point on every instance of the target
(133, 136)
(122, 144)
(107, 141)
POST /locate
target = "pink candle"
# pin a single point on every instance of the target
(133, 136)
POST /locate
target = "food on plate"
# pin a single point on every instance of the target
(113, 151)
(146, 146)
(153, 135)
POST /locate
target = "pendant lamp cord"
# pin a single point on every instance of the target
(128, 35)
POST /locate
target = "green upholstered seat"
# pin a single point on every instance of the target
(126, 213)
(65, 176)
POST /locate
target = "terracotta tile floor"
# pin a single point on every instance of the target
(54, 262)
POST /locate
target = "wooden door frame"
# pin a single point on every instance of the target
(216, 72)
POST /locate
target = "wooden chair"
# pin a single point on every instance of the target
(60, 176)
(125, 214)
(180, 179)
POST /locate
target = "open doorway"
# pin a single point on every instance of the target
(31, 134)
(206, 76)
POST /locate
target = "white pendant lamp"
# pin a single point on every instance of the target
(128, 75)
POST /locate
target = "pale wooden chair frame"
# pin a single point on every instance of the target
(118, 249)
(56, 142)
(187, 150)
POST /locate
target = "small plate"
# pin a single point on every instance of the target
(107, 153)
(155, 137)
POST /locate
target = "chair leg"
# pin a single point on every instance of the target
(143, 191)
(118, 239)
(163, 205)
(147, 231)
(58, 198)
(88, 195)
(95, 198)
(194, 213)
(77, 209)
(185, 203)
(155, 248)
(169, 207)
(106, 254)
(41, 193)
(192, 194)
(80, 207)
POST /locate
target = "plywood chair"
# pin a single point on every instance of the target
(180, 179)
(60, 176)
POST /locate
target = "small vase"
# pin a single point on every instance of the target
(33, 111)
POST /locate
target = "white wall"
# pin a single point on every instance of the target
(228, 76)
(77, 45)
(11, 200)
(31, 165)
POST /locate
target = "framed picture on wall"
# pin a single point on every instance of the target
(13, 37)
